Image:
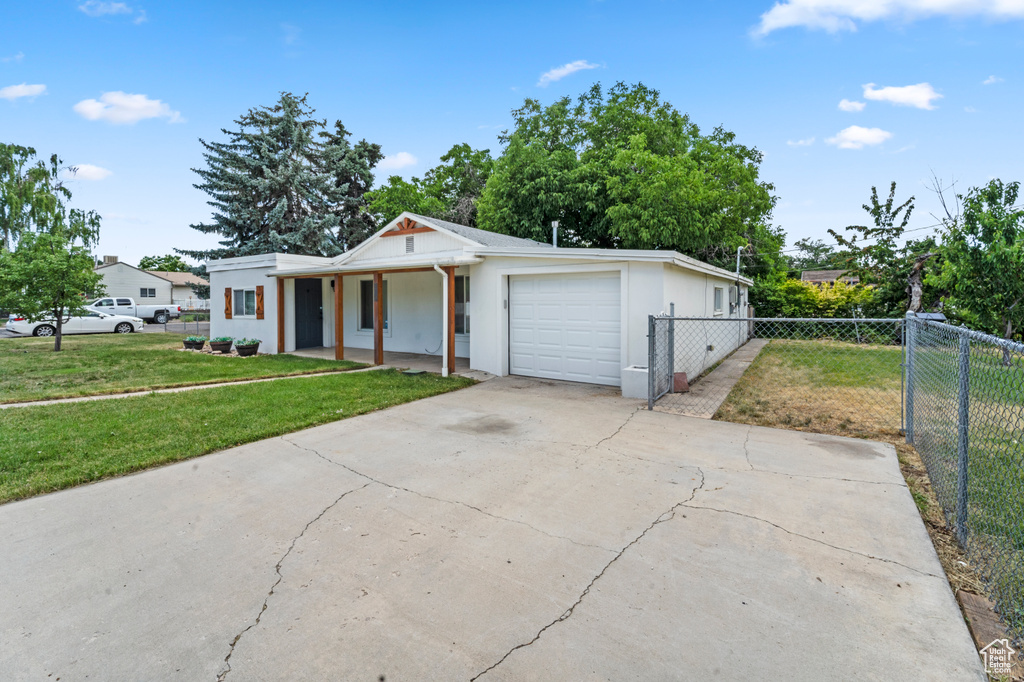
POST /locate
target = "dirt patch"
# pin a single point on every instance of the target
(489, 424)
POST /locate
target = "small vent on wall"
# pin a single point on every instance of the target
(410, 246)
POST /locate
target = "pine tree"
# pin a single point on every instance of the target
(282, 183)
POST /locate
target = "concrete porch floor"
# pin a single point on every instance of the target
(429, 363)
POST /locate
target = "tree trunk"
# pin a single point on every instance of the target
(57, 336)
(915, 283)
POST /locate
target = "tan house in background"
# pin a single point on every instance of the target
(819, 277)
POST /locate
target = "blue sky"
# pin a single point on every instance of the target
(125, 89)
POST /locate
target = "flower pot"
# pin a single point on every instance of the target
(247, 350)
(194, 345)
(220, 346)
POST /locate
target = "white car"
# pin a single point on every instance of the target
(92, 322)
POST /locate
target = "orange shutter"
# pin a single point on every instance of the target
(227, 303)
(259, 303)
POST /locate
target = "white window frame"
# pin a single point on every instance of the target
(718, 300)
(236, 299)
(359, 308)
(147, 292)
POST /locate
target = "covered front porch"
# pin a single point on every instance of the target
(414, 317)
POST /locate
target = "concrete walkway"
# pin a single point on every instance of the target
(515, 530)
(707, 395)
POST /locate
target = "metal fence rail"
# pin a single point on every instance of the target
(965, 416)
(853, 364)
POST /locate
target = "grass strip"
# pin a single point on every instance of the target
(52, 447)
(116, 363)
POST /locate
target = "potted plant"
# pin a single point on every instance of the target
(194, 342)
(221, 344)
(247, 347)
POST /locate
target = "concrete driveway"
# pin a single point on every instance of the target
(515, 530)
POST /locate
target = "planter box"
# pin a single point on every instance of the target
(221, 346)
(246, 351)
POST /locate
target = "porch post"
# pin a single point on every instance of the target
(450, 319)
(339, 320)
(280, 315)
(378, 318)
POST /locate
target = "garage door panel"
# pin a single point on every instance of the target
(566, 327)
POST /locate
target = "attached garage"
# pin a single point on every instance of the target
(566, 326)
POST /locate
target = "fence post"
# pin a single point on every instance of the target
(962, 437)
(650, 362)
(672, 348)
(911, 336)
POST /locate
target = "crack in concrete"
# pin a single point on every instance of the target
(441, 499)
(746, 450)
(618, 430)
(666, 516)
(277, 568)
(820, 542)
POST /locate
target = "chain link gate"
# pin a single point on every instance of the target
(957, 394)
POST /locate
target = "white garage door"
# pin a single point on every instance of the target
(566, 327)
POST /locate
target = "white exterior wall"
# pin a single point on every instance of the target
(423, 242)
(694, 296)
(121, 279)
(245, 327)
(415, 310)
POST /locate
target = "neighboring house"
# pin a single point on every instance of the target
(149, 287)
(509, 305)
(121, 279)
(819, 277)
(181, 288)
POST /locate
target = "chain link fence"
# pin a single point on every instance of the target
(957, 394)
(829, 370)
(965, 416)
(195, 322)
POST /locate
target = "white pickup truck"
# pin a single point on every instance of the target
(159, 314)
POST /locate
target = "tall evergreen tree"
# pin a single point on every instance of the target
(283, 183)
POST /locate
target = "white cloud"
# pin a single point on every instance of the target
(87, 171)
(13, 92)
(920, 95)
(291, 33)
(992, 80)
(849, 105)
(121, 107)
(801, 143)
(16, 58)
(970, 110)
(97, 8)
(396, 161)
(560, 72)
(141, 17)
(856, 137)
(844, 15)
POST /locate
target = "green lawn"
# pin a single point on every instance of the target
(115, 363)
(51, 447)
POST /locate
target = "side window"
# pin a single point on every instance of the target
(719, 300)
(250, 301)
(105, 303)
(124, 301)
(366, 304)
(238, 302)
(143, 293)
(461, 304)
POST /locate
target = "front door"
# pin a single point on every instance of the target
(309, 314)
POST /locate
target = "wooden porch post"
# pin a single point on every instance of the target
(450, 319)
(280, 315)
(378, 318)
(339, 320)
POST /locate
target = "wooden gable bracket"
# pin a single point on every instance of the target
(406, 227)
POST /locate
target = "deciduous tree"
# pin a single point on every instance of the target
(168, 263)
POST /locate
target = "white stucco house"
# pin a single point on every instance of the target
(508, 305)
